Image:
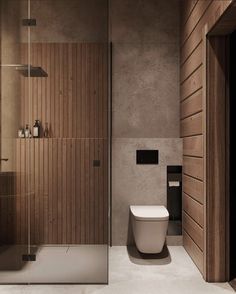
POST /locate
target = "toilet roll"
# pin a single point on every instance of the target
(174, 183)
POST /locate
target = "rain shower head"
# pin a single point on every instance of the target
(28, 71)
(32, 71)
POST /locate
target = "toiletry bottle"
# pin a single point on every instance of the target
(36, 128)
(27, 131)
(46, 131)
(21, 133)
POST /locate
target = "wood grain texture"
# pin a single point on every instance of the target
(192, 125)
(216, 159)
(193, 230)
(193, 209)
(68, 200)
(186, 9)
(194, 251)
(73, 98)
(193, 146)
(192, 84)
(195, 18)
(193, 167)
(193, 187)
(62, 198)
(211, 16)
(196, 15)
(192, 63)
(192, 105)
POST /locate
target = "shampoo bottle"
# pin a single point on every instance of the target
(36, 129)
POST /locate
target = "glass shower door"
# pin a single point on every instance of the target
(14, 179)
(54, 141)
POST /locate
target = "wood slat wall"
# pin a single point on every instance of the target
(66, 193)
(73, 98)
(195, 16)
(57, 187)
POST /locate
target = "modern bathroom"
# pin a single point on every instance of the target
(111, 176)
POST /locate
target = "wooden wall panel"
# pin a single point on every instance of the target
(73, 98)
(199, 10)
(194, 230)
(191, 84)
(68, 200)
(216, 159)
(192, 105)
(192, 63)
(193, 146)
(193, 187)
(59, 191)
(194, 251)
(186, 9)
(195, 17)
(212, 14)
(193, 167)
(191, 125)
(193, 209)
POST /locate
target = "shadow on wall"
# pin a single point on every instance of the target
(130, 235)
(139, 258)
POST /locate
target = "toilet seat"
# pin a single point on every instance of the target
(149, 212)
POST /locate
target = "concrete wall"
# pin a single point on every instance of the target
(145, 78)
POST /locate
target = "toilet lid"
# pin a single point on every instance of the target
(149, 212)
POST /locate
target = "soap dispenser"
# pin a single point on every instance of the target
(36, 129)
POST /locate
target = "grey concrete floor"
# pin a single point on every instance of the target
(172, 272)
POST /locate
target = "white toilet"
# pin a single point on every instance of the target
(149, 223)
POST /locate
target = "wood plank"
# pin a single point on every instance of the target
(196, 15)
(192, 63)
(193, 167)
(213, 13)
(193, 146)
(192, 125)
(193, 230)
(192, 84)
(194, 251)
(186, 10)
(193, 209)
(193, 187)
(216, 150)
(191, 105)
(227, 23)
(73, 100)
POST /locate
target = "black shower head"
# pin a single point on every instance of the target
(28, 71)
(32, 71)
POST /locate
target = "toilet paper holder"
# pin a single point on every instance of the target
(174, 183)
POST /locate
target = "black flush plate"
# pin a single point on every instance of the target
(29, 257)
(147, 156)
(29, 22)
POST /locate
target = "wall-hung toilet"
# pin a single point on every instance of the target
(149, 223)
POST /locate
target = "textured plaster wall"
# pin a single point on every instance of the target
(145, 78)
(68, 20)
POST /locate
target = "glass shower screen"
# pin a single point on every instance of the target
(54, 141)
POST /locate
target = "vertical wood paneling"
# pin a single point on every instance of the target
(68, 207)
(69, 200)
